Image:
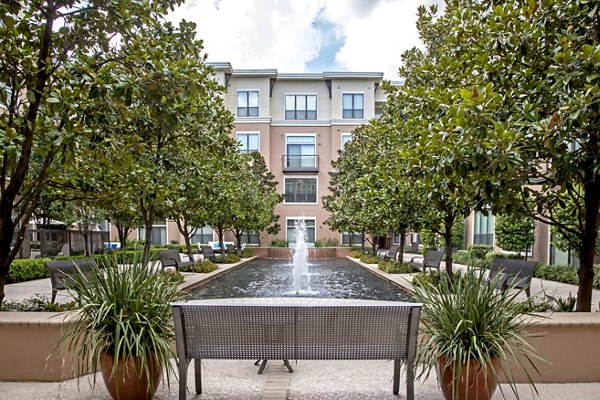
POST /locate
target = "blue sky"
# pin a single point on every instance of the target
(306, 35)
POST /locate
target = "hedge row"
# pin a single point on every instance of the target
(27, 270)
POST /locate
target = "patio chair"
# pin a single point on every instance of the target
(431, 260)
(514, 273)
(391, 254)
(209, 253)
(231, 249)
(171, 258)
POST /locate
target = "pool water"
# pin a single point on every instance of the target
(335, 278)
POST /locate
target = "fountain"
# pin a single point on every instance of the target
(300, 258)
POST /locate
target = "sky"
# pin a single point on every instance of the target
(306, 35)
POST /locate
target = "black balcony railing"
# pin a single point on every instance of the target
(300, 163)
(301, 197)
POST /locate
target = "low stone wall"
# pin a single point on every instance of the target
(28, 347)
(314, 253)
(568, 342)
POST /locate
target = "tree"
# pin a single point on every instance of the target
(515, 232)
(50, 52)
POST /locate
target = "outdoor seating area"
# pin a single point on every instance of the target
(172, 258)
(513, 274)
(432, 260)
(60, 270)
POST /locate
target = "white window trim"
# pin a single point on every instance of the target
(248, 133)
(300, 94)
(236, 100)
(301, 217)
(301, 176)
(342, 106)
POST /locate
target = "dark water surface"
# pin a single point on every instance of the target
(335, 278)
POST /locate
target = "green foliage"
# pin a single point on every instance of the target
(427, 279)
(27, 270)
(279, 243)
(174, 276)
(202, 267)
(228, 259)
(246, 253)
(394, 267)
(104, 297)
(514, 232)
(37, 302)
(355, 253)
(468, 319)
(547, 303)
(557, 273)
(368, 258)
(430, 240)
(327, 242)
(462, 257)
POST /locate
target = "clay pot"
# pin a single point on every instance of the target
(126, 384)
(476, 385)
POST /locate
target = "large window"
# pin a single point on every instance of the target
(300, 106)
(249, 142)
(203, 235)
(483, 229)
(159, 233)
(353, 105)
(301, 151)
(251, 238)
(247, 103)
(355, 237)
(559, 257)
(310, 229)
(300, 190)
(346, 137)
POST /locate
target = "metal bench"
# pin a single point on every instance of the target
(296, 329)
(60, 270)
(171, 258)
(431, 260)
(514, 273)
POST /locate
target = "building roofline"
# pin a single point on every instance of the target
(221, 66)
(255, 72)
(352, 74)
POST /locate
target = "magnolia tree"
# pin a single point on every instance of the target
(51, 51)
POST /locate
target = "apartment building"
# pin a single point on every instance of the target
(298, 122)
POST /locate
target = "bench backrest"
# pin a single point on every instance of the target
(208, 251)
(301, 332)
(60, 270)
(230, 249)
(414, 247)
(433, 258)
(170, 258)
(521, 270)
(393, 251)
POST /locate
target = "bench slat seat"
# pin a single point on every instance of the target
(514, 273)
(300, 329)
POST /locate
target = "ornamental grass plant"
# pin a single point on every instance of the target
(125, 312)
(466, 319)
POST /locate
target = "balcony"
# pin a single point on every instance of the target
(300, 163)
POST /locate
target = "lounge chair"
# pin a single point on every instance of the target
(231, 249)
(171, 258)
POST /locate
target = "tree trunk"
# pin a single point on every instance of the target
(401, 248)
(448, 223)
(184, 230)
(220, 233)
(238, 238)
(362, 245)
(374, 245)
(122, 232)
(588, 246)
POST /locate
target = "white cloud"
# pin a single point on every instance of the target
(281, 34)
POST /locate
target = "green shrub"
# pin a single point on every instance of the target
(394, 267)
(426, 279)
(327, 242)
(34, 245)
(205, 266)
(356, 253)
(547, 303)
(558, 273)
(279, 243)
(368, 258)
(246, 253)
(174, 276)
(478, 251)
(27, 270)
(37, 302)
(461, 257)
(228, 259)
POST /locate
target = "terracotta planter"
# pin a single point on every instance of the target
(126, 384)
(476, 385)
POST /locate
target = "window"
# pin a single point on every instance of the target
(301, 151)
(249, 141)
(559, 257)
(346, 137)
(251, 238)
(203, 235)
(396, 238)
(483, 229)
(159, 233)
(310, 229)
(300, 106)
(247, 103)
(300, 190)
(355, 237)
(353, 105)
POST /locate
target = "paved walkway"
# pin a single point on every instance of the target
(311, 380)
